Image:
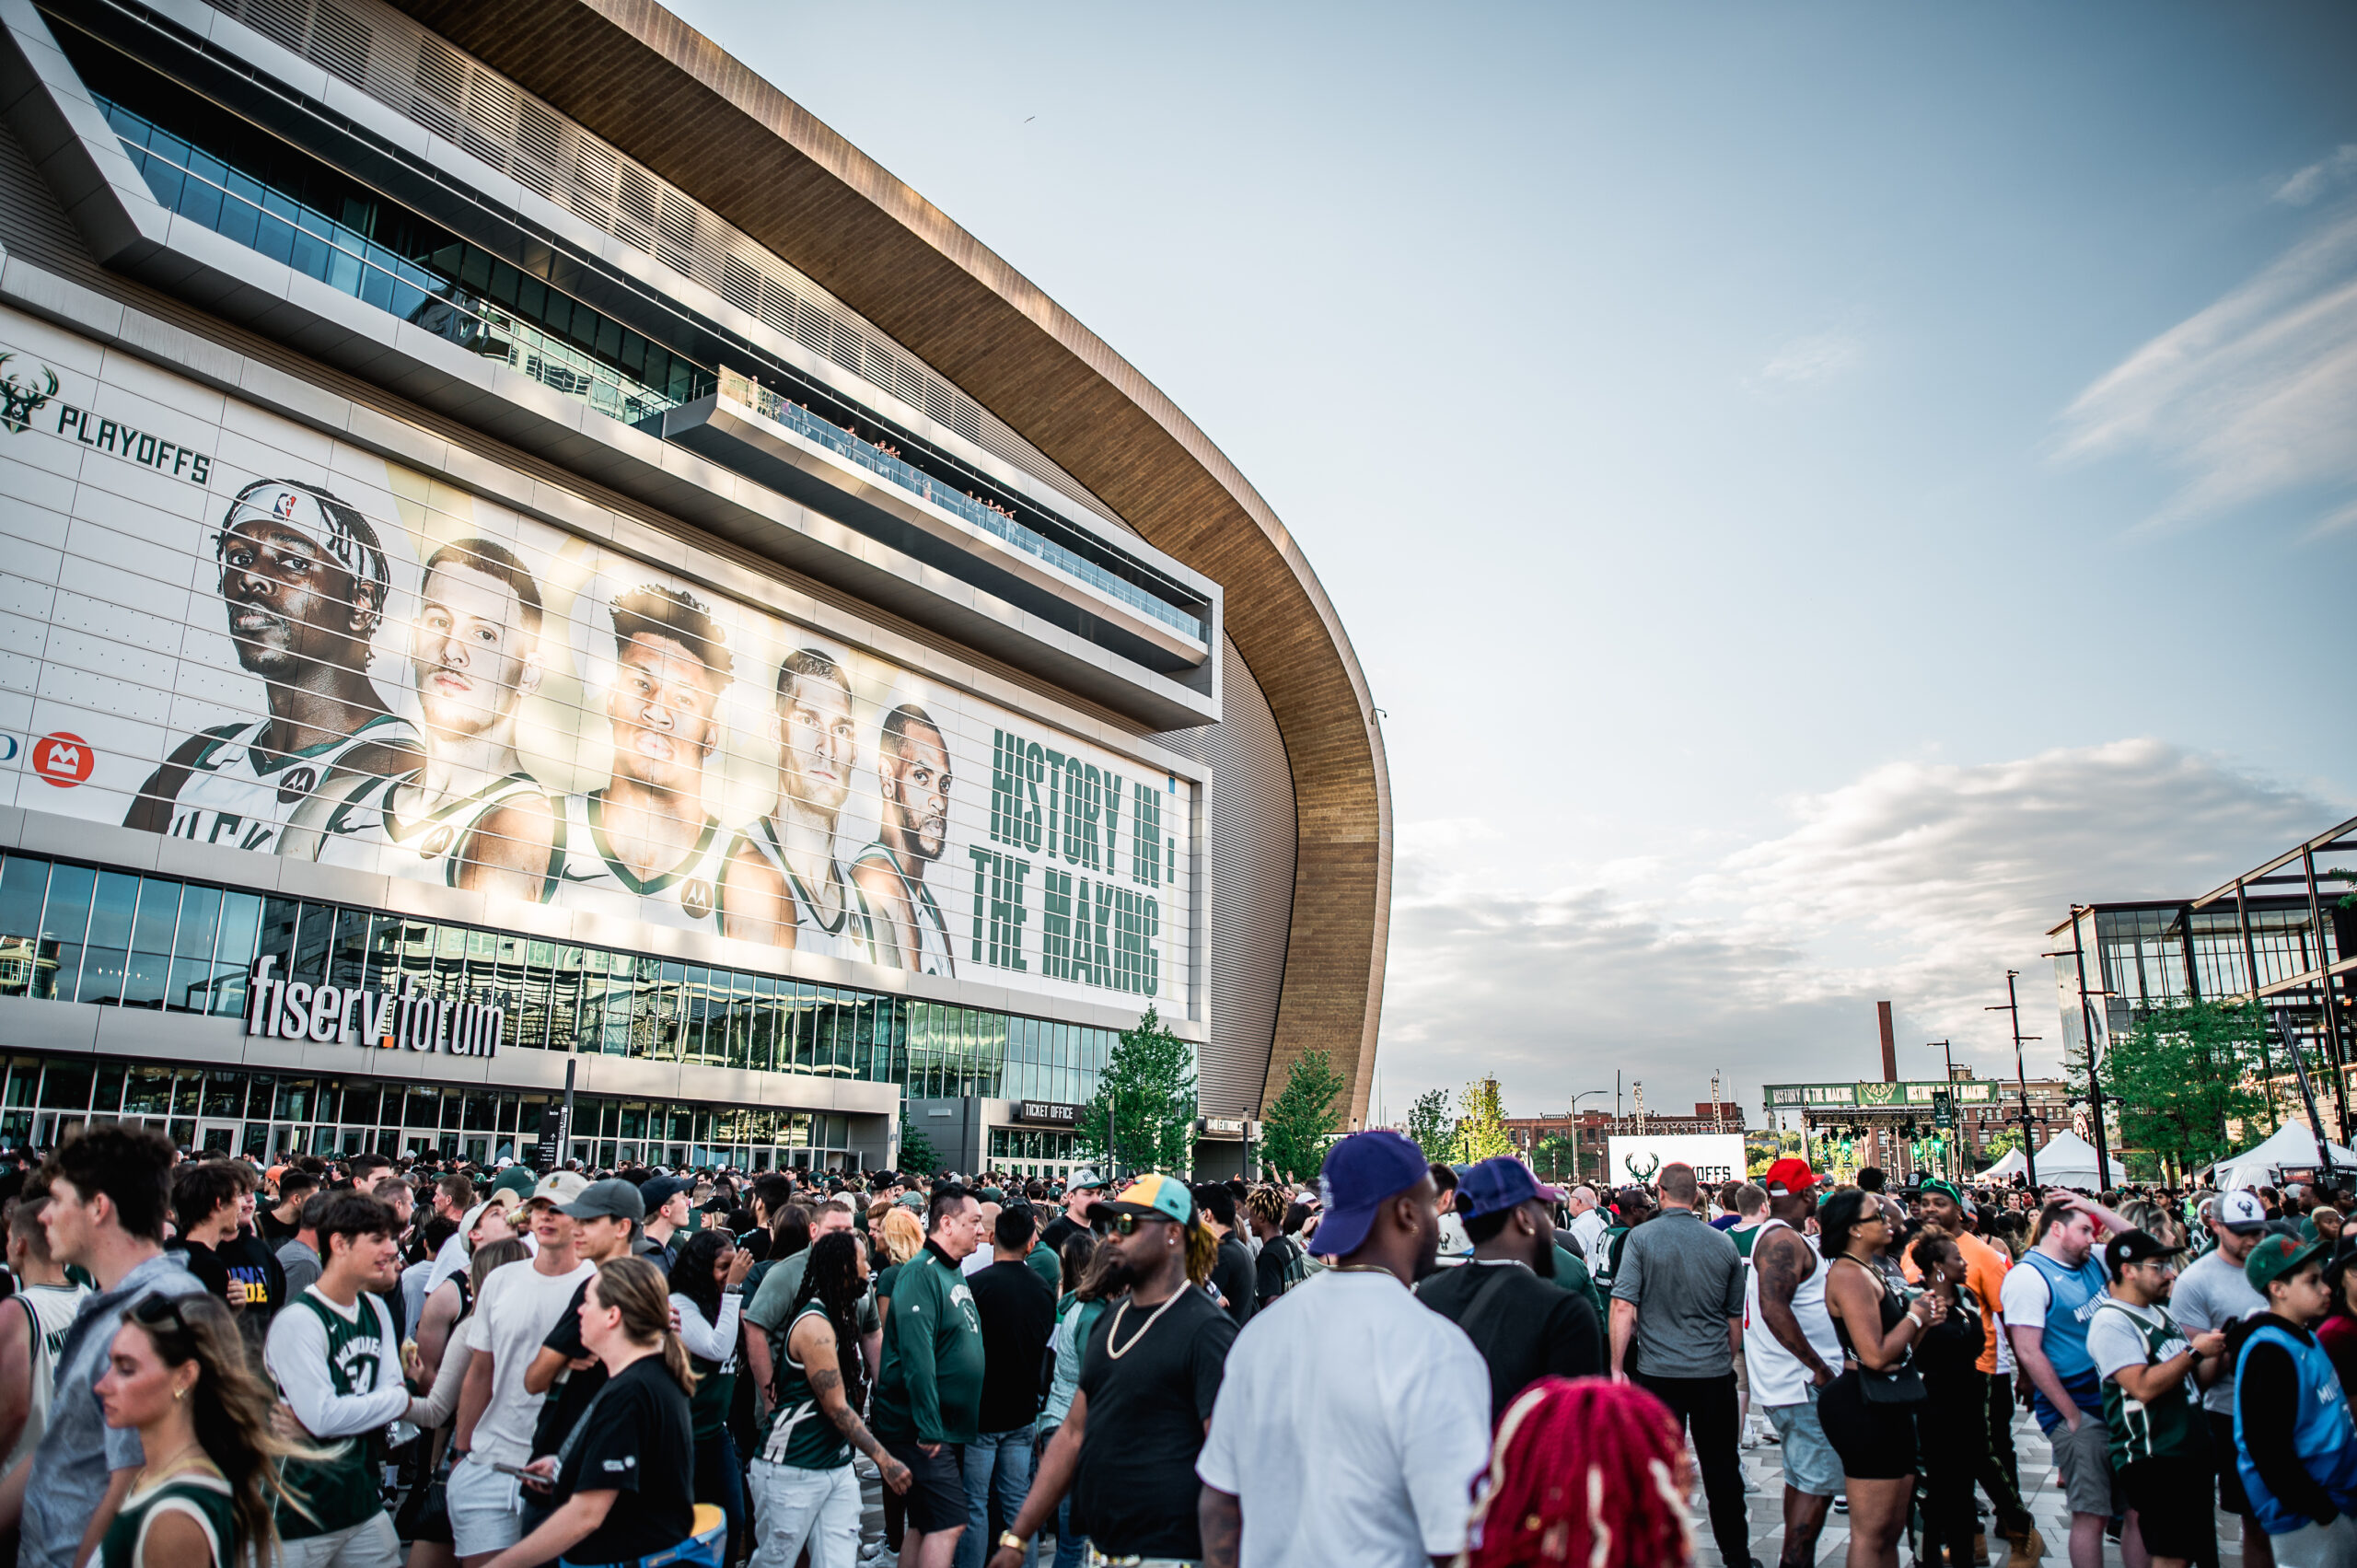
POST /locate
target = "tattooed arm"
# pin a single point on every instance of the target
(813, 1345)
(1784, 1262)
(1221, 1518)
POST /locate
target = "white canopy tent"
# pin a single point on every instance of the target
(2292, 1147)
(2069, 1160)
(2006, 1169)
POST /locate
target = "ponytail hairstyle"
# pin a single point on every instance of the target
(232, 1412)
(831, 1279)
(1583, 1472)
(494, 1255)
(635, 1287)
(1202, 1251)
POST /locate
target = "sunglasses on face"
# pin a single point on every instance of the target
(1127, 1224)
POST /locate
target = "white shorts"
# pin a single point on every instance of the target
(486, 1509)
(370, 1544)
(793, 1508)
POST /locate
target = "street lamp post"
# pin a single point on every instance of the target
(1575, 1120)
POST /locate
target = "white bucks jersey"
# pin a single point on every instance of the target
(584, 873)
(933, 954)
(848, 935)
(237, 793)
(367, 830)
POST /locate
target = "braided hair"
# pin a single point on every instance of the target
(831, 1279)
(1585, 1472)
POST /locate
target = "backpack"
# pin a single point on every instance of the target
(1296, 1267)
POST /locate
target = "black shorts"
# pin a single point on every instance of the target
(2171, 1498)
(936, 1495)
(1874, 1442)
(2232, 1498)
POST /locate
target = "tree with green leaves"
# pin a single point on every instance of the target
(1144, 1116)
(1481, 1121)
(2182, 1073)
(1430, 1126)
(1557, 1158)
(916, 1150)
(1304, 1116)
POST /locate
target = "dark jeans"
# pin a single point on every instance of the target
(1999, 1475)
(1705, 1406)
(720, 1480)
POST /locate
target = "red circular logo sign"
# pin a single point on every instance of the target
(62, 759)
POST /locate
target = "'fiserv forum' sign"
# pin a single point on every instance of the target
(406, 1019)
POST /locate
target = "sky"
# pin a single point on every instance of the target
(1815, 490)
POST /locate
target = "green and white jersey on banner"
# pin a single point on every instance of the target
(2165, 1428)
(342, 1491)
(800, 1434)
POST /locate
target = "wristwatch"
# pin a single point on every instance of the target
(1013, 1542)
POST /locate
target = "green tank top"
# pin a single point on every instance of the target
(2165, 1428)
(800, 1434)
(204, 1498)
(342, 1490)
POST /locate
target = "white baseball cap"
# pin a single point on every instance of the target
(2242, 1213)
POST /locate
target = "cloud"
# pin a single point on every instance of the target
(2319, 177)
(2252, 397)
(1807, 361)
(1918, 882)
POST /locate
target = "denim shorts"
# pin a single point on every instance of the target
(1811, 1467)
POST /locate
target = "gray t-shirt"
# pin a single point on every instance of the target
(783, 1283)
(79, 1452)
(1685, 1281)
(2211, 1295)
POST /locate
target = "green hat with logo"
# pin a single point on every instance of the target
(2276, 1256)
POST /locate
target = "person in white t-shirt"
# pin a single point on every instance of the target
(1351, 1420)
(1588, 1222)
(496, 1412)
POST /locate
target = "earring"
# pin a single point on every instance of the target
(180, 1393)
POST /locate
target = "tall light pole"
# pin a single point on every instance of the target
(2013, 1010)
(1576, 1131)
(1956, 1118)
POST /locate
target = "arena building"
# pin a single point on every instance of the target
(529, 560)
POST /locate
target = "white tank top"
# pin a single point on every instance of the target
(1778, 1377)
(54, 1310)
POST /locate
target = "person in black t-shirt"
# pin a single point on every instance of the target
(212, 1199)
(1283, 1262)
(1149, 1377)
(1232, 1274)
(607, 1213)
(640, 1441)
(279, 1222)
(1504, 1297)
(1084, 1188)
(1019, 1312)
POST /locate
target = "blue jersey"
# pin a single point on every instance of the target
(2321, 1432)
(2073, 1297)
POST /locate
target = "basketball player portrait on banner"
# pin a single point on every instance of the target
(304, 581)
(912, 781)
(784, 883)
(472, 816)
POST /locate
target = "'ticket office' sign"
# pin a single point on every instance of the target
(405, 1019)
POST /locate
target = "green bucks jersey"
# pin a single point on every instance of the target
(800, 1433)
(2164, 1427)
(202, 1497)
(342, 1490)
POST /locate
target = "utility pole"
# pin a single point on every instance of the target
(2087, 1024)
(1956, 1118)
(2013, 1010)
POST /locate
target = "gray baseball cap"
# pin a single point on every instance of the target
(613, 1198)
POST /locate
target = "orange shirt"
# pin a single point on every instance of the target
(1984, 1276)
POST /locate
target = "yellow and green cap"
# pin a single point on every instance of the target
(1149, 1197)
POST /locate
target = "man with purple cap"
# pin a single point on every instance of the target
(1352, 1421)
(1525, 1324)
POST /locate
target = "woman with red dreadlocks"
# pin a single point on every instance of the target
(1586, 1472)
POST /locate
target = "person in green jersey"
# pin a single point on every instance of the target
(2160, 1445)
(708, 1297)
(929, 1392)
(336, 1356)
(805, 1494)
(208, 1487)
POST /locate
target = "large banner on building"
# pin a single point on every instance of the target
(220, 625)
(1715, 1156)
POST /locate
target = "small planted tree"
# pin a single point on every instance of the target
(1430, 1126)
(1481, 1121)
(1142, 1117)
(1304, 1117)
(916, 1150)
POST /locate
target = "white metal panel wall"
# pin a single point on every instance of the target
(1252, 833)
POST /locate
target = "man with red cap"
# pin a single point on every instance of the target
(1791, 1350)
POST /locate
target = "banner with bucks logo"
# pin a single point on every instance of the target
(1636, 1161)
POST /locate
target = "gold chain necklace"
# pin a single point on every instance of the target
(1123, 1310)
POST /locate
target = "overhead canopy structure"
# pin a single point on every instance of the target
(2292, 1147)
(2069, 1160)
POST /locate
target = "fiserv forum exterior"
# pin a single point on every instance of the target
(525, 550)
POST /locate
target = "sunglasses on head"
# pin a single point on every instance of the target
(157, 1311)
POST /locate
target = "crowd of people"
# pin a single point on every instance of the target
(212, 1362)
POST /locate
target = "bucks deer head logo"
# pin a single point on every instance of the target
(1644, 1173)
(22, 395)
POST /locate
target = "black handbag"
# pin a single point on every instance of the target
(1900, 1385)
